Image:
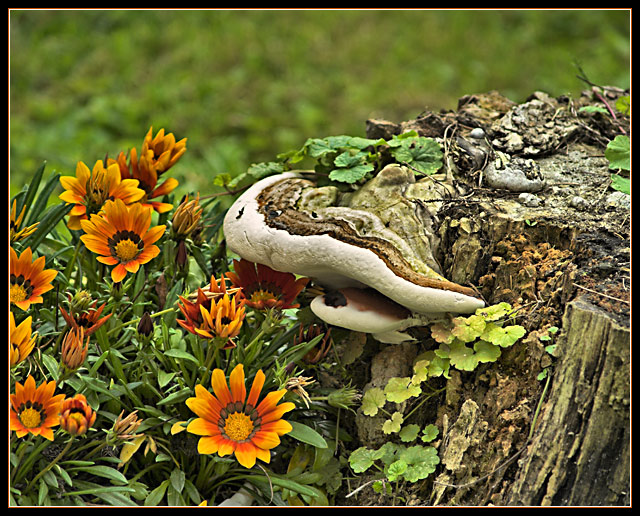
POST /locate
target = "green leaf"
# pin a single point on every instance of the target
(623, 104)
(468, 329)
(177, 479)
(176, 397)
(307, 435)
(421, 462)
(622, 184)
(486, 352)
(401, 389)
(184, 355)
(618, 152)
(462, 357)
(423, 154)
(429, 433)
(164, 378)
(351, 174)
(105, 472)
(396, 470)
(372, 400)
(393, 425)
(409, 433)
(494, 312)
(503, 336)
(155, 497)
(363, 458)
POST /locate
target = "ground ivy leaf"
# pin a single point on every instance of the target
(618, 152)
(351, 174)
(494, 312)
(393, 425)
(441, 333)
(409, 433)
(486, 352)
(372, 400)
(421, 462)
(423, 154)
(503, 337)
(429, 433)
(363, 458)
(468, 329)
(462, 357)
(396, 469)
(401, 389)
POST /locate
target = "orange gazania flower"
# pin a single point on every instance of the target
(76, 415)
(35, 410)
(28, 280)
(229, 421)
(148, 180)
(215, 313)
(122, 237)
(264, 287)
(161, 152)
(22, 340)
(90, 190)
(83, 313)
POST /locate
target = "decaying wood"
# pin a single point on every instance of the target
(561, 255)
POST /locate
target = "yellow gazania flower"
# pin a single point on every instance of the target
(76, 415)
(89, 190)
(148, 180)
(28, 280)
(122, 237)
(35, 410)
(22, 339)
(161, 152)
(229, 421)
(15, 232)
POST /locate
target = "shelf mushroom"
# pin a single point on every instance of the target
(265, 226)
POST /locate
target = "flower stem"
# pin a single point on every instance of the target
(51, 464)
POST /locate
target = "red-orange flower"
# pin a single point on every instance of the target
(229, 421)
(216, 312)
(264, 287)
(35, 410)
(148, 180)
(76, 415)
(28, 280)
(122, 237)
(83, 313)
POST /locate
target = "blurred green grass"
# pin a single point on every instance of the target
(245, 85)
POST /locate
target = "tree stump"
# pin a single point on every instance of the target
(537, 225)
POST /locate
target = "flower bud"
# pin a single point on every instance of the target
(74, 349)
(77, 416)
(145, 326)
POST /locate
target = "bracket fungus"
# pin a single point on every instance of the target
(290, 224)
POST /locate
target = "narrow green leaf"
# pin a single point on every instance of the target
(307, 435)
(32, 190)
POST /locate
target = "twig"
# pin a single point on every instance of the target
(601, 294)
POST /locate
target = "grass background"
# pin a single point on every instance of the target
(245, 85)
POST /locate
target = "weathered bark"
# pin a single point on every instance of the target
(580, 451)
(560, 253)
